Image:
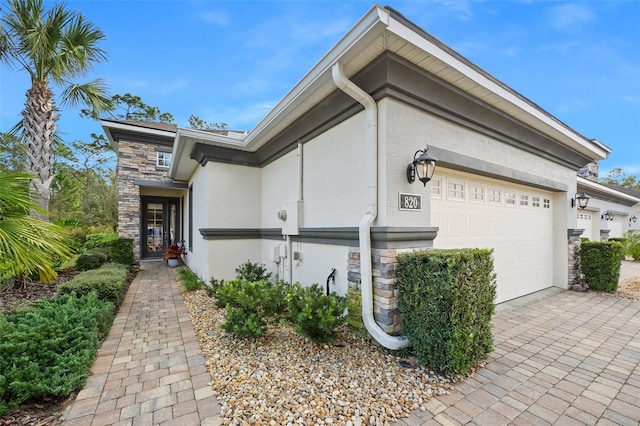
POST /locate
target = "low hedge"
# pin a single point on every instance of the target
(47, 350)
(109, 282)
(91, 260)
(600, 263)
(446, 302)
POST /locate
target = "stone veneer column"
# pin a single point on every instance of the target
(574, 256)
(386, 310)
(136, 161)
(604, 234)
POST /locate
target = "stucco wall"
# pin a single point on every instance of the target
(512, 163)
(279, 186)
(225, 196)
(334, 176)
(197, 258)
(234, 195)
(409, 129)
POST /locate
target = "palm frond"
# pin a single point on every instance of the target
(93, 94)
(27, 244)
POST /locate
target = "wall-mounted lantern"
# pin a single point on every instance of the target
(581, 199)
(607, 216)
(633, 219)
(422, 166)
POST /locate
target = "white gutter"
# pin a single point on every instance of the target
(586, 183)
(366, 277)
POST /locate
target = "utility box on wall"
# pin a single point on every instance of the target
(292, 220)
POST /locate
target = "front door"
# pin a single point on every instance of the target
(159, 225)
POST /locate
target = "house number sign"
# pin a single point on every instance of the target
(410, 202)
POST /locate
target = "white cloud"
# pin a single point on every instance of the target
(154, 87)
(217, 18)
(572, 105)
(571, 17)
(629, 99)
(510, 51)
(461, 9)
(562, 48)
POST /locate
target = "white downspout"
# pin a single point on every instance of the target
(366, 277)
(300, 198)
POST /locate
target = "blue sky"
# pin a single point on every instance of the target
(232, 61)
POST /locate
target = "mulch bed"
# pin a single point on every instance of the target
(48, 410)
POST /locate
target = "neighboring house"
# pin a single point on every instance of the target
(322, 179)
(611, 211)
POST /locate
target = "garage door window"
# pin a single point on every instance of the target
(476, 193)
(455, 190)
(524, 200)
(535, 201)
(495, 196)
(510, 198)
(436, 187)
(546, 203)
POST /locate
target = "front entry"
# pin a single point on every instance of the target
(159, 225)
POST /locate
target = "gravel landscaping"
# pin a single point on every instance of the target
(282, 378)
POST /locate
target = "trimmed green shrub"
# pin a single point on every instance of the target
(101, 239)
(243, 322)
(189, 280)
(252, 272)
(47, 350)
(600, 263)
(213, 287)
(87, 261)
(632, 243)
(108, 282)
(617, 240)
(249, 304)
(446, 302)
(102, 251)
(314, 314)
(122, 251)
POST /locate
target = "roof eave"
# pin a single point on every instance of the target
(586, 184)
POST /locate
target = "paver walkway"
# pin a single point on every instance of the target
(561, 358)
(150, 369)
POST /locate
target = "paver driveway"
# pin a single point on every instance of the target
(564, 359)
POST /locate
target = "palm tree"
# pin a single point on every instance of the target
(28, 245)
(54, 46)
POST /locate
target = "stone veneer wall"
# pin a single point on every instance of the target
(386, 310)
(136, 160)
(574, 257)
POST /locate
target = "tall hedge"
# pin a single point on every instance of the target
(446, 301)
(600, 263)
(122, 251)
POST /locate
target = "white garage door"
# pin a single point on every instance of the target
(585, 221)
(516, 221)
(616, 226)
